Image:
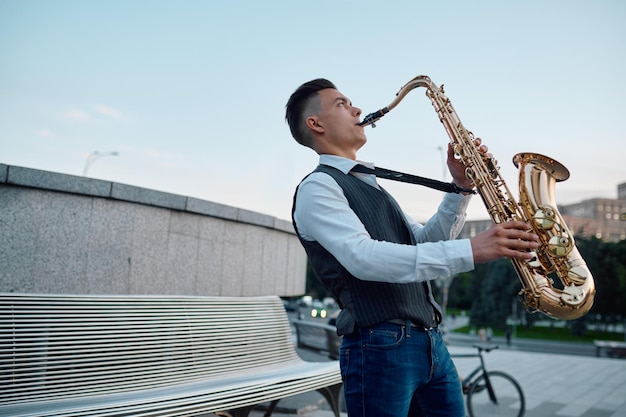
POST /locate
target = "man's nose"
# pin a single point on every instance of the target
(357, 111)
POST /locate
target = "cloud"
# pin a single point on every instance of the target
(109, 111)
(152, 153)
(77, 115)
(161, 159)
(100, 109)
(46, 133)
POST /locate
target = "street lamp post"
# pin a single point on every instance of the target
(92, 157)
(443, 161)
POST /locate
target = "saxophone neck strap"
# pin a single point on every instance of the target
(447, 187)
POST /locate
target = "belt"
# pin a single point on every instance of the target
(403, 322)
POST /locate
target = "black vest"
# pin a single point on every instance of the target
(366, 303)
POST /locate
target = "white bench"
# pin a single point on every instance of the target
(71, 355)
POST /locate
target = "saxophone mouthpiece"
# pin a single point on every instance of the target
(372, 118)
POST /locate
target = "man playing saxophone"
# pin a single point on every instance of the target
(378, 263)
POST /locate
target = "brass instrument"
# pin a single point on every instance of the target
(556, 255)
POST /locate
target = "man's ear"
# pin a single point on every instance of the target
(312, 123)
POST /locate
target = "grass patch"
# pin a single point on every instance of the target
(561, 334)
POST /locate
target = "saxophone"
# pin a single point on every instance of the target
(556, 256)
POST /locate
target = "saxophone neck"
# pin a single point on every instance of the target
(419, 81)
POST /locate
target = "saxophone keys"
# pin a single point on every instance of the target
(572, 295)
(578, 274)
(458, 150)
(544, 218)
(534, 262)
(559, 246)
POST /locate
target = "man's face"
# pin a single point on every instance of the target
(340, 120)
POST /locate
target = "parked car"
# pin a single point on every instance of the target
(318, 310)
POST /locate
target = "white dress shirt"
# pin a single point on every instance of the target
(322, 214)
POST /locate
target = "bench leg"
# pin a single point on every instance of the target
(271, 408)
(245, 411)
(332, 396)
(240, 412)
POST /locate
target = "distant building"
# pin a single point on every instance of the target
(604, 218)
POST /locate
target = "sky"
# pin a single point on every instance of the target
(191, 94)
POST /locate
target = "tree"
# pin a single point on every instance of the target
(494, 285)
(459, 292)
(607, 263)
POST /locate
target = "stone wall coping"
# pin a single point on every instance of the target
(66, 183)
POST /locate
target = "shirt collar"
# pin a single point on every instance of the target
(341, 163)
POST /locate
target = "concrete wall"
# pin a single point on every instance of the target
(75, 235)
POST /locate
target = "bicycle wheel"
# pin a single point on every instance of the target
(505, 398)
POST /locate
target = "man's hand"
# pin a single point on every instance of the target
(507, 240)
(456, 167)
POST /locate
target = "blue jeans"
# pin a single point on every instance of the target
(395, 371)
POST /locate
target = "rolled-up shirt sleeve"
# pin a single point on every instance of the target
(322, 214)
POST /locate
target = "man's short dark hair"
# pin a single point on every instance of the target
(298, 103)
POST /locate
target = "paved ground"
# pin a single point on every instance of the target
(553, 384)
(561, 385)
(572, 384)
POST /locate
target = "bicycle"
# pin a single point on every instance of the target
(491, 393)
